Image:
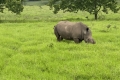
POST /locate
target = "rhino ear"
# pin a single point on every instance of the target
(87, 29)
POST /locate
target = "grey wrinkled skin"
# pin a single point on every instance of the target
(73, 31)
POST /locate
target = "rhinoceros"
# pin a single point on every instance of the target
(76, 31)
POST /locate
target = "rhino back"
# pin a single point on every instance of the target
(69, 30)
(64, 30)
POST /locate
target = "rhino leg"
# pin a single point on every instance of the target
(76, 40)
(59, 38)
(80, 40)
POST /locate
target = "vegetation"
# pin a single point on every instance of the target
(36, 13)
(13, 5)
(2, 2)
(29, 49)
(91, 6)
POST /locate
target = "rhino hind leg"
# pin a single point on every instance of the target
(59, 38)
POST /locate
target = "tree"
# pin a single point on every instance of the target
(12, 5)
(91, 6)
(2, 2)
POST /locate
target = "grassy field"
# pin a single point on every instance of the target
(29, 49)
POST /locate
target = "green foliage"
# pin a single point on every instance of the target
(2, 2)
(1, 7)
(91, 6)
(15, 6)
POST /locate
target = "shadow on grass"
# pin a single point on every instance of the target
(82, 77)
(89, 77)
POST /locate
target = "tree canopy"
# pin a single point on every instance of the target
(2, 2)
(91, 6)
(12, 5)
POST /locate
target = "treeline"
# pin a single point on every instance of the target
(13, 5)
(91, 6)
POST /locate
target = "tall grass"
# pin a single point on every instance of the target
(30, 51)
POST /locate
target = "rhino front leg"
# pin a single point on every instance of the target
(76, 40)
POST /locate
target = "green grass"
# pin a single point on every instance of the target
(29, 49)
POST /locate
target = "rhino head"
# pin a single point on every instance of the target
(88, 36)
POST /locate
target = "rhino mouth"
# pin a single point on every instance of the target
(92, 41)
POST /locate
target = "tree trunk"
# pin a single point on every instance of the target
(96, 16)
(95, 10)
